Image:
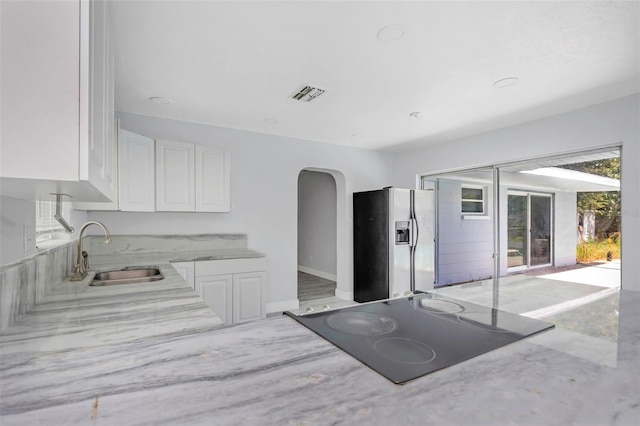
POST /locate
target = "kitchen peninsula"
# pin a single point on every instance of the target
(154, 353)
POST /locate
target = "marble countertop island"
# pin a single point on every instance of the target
(149, 354)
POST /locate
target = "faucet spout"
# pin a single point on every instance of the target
(82, 262)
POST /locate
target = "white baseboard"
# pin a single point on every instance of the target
(282, 305)
(325, 275)
(346, 295)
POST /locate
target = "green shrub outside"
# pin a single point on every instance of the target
(593, 251)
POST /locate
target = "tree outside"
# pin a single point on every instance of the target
(606, 206)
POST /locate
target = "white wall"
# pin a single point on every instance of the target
(605, 124)
(264, 196)
(317, 224)
(14, 215)
(565, 224)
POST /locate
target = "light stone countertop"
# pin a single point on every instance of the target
(149, 354)
(100, 262)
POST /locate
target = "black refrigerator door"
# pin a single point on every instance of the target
(371, 245)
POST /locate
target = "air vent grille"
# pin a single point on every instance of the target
(308, 93)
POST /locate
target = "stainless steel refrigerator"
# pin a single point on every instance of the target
(393, 243)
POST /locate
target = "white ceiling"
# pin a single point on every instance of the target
(235, 64)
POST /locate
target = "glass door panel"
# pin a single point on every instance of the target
(540, 230)
(517, 231)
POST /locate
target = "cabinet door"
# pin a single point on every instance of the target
(57, 73)
(216, 291)
(111, 205)
(248, 296)
(186, 271)
(175, 176)
(97, 142)
(112, 125)
(136, 158)
(40, 90)
(98, 72)
(212, 180)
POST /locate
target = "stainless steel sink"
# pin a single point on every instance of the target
(127, 276)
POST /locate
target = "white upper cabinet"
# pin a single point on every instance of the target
(160, 175)
(212, 180)
(136, 176)
(175, 176)
(191, 178)
(58, 130)
(136, 162)
(100, 168)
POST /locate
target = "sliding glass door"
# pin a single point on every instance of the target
(517, 231)
(529, 230)
(540, 222)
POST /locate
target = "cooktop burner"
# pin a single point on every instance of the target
(406, 351)
(361, 323)
(439, 306)
(406, 338)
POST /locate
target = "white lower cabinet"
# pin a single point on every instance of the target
(233, 288)
(247, 296)
(217, 292)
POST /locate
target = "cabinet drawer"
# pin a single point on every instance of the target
(230, 266)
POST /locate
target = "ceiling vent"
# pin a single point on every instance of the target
(308, 94)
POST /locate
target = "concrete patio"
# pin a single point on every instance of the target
(582, 301)
(540, 293)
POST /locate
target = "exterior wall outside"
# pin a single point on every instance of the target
(565, 225)
(465, 247)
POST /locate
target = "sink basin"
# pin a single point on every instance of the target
(127, 276)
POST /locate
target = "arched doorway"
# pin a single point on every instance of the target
(317, 235)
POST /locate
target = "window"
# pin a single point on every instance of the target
(472, 200)
(47, 228)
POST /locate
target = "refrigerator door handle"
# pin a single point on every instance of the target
(414, 232)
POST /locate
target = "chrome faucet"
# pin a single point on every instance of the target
(82, 262)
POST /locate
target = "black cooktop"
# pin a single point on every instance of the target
(406, 338)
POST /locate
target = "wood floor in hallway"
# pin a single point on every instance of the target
(311, 287)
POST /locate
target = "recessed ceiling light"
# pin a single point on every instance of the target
(391, 32)
(271, 120)
(505, 82)
(416, 114)
(160, 100)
